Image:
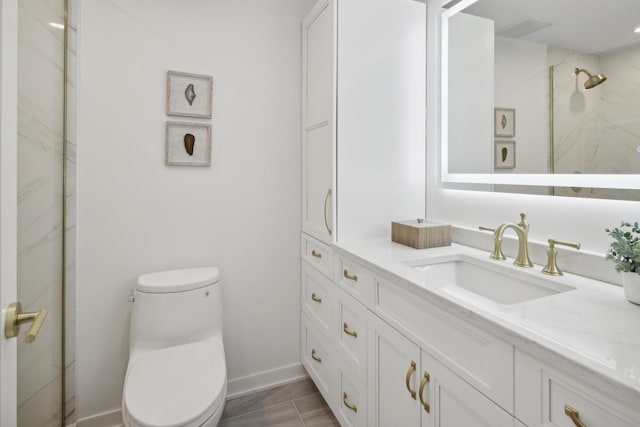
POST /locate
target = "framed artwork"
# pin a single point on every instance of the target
(188, 144)
(504, 122)
(189, 95)
(505, 154)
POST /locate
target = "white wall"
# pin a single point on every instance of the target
(574, 220)
(136, 215)
(521, 83)
(470, 95)
(381, 116)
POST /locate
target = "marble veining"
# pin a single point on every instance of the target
(591, 328)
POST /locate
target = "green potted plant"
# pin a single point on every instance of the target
(624, 251)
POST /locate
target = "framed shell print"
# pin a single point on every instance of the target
(189, 95)
(188, 144)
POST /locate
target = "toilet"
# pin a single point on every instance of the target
(177, 375)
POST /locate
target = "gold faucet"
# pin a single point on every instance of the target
(522, 231)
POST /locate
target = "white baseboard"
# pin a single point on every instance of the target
(265, 380)
(105, 419)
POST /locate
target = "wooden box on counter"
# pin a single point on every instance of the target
(420, 234)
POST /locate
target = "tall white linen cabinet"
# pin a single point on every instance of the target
(363, 166)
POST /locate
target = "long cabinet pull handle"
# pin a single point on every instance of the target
(315, 298)
(574, 415)
(351, 406)
(348, 331)
(314, 356)
(349, 276)
(424, 382)
(326, 222)
(316, 254)
(412, 369)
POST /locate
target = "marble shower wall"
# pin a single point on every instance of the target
(40, 206)
(596, 130)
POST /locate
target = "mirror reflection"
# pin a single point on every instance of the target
(545, 87)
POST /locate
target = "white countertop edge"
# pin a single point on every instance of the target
(583, 327)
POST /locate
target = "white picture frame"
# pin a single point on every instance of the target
(188, 144)
(504, 122)
(505, 154)
(189, 95)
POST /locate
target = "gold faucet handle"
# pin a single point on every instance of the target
(497, 245)
(552, 263)
(553, 242)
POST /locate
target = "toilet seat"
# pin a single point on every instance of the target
(176, 386)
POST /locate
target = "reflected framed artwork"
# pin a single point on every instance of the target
(189, 95)
(188, 144)
(505, 154)
(504, 123)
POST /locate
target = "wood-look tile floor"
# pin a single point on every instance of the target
(298, 404)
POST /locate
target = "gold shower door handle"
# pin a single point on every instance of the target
(14, 317)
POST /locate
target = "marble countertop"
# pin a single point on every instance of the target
(592, 326)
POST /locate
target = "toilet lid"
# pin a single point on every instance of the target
(178, 280)
(176, 386)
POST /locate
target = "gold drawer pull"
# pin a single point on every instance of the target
(412, 369)
(314, 356)
(348, 331)
(351, 406)
(574, 415)
(315, 298)
(316, 254)
(350, 276)
(425, 380)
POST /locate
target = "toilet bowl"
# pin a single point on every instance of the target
(176, 375)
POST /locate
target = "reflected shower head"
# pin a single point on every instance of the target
(592, 80)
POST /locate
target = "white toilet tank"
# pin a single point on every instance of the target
(176, 307)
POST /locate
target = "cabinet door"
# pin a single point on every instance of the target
(392, 376)
(318, 91)
(317, 181)
(448, 401)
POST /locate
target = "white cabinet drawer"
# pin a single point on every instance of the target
(317, 254)
(354, 279)
(319, 358)
(546, 396)
(318, 299)
(480, 358)
(352, 395)
(351, 331)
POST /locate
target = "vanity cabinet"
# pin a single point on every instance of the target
(548, 396)
(409, 387)
(318, 120)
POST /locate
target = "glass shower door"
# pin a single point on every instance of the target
(41, 86)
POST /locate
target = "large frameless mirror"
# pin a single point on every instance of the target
(542, 97)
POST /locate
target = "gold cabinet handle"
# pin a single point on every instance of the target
(412, 369)
(574, 415)
(349, 276)
(315, 298)
(348, 331)
(424, 382)
(14, 317)
(314, 356)
(316, 254)
(326, 223)
(351, 406)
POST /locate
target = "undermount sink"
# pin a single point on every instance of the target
(499, 284)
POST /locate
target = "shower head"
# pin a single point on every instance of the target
(592, 80)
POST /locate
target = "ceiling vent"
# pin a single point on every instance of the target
(521, 28)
